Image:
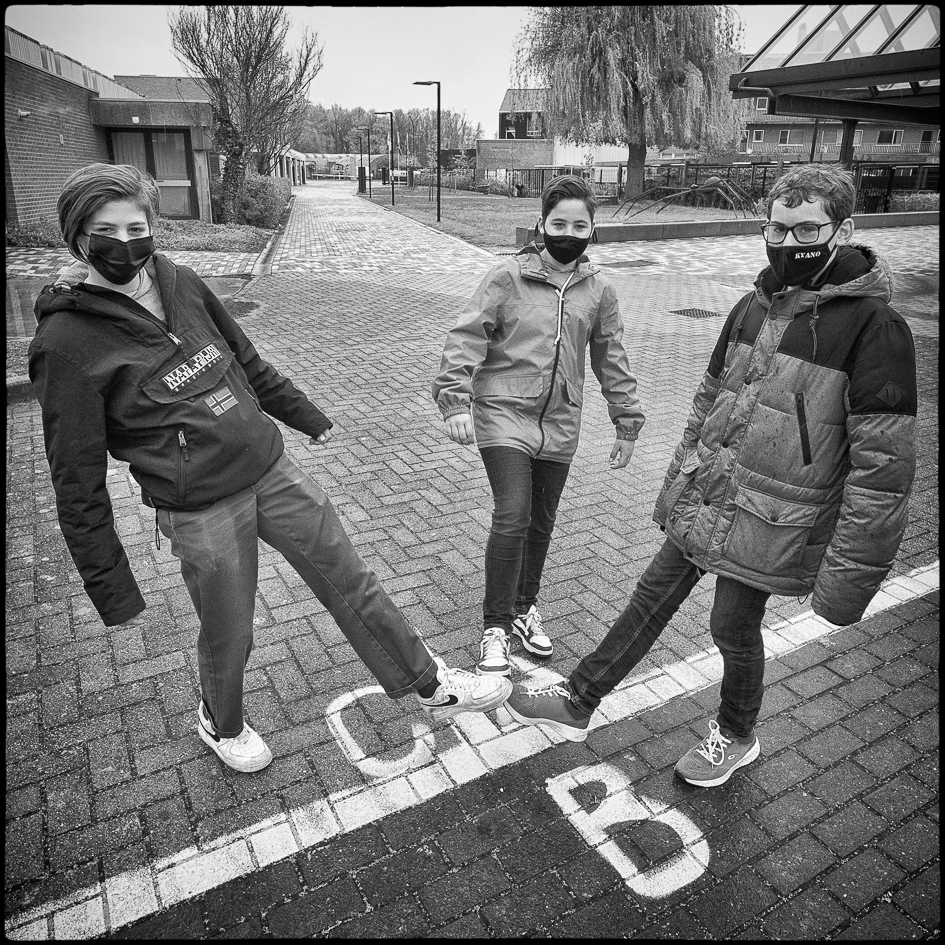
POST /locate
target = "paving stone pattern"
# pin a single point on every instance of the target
(832, 833)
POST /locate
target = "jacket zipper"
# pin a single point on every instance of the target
(554, 368)
(802, 426)
(184, 458)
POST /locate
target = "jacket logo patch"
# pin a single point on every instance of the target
(190, 370)
(221, 401)
(890, 395)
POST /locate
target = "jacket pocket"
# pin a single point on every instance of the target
(802, 427)
(768, 533)
(684, 478)
(573, 394)
(197, 374)
(515, 386)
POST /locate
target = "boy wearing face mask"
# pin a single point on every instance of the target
(136, 357)
(511, 382)
(793, 473)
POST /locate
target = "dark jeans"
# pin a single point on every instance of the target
(735, 624)
(218, 548)
(526, 493)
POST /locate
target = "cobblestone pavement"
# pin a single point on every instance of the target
(370, 823)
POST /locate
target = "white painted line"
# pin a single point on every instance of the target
(482, 746)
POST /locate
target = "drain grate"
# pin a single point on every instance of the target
(697, 313)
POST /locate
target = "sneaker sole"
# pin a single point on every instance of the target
(489, 671)
(571, 734)
(246, 767)
(531, 648)
(752, 754)
(440, 713)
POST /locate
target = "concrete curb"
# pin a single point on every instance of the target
(19, 388)
(625, 232)
(263, 264)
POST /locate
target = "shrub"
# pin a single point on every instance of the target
(264, 200)
(44, 234)
(903, 203)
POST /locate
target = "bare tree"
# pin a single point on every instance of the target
(257, 89)
(634, 75)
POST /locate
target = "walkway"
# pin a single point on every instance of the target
(369, 822)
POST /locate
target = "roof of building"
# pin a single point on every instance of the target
(523, 100)
(165, 88)
(854, 61)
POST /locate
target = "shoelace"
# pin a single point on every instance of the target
(533, 624)
(715, 743)
(494, 643)
(462, 679)
(553, 689)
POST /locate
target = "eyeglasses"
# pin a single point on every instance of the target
(803, 232)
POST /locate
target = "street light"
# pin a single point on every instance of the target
(368, 130)
(391, 154)
(360, 162)
(437, 84)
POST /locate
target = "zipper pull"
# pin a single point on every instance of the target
(175, 339)
(183, 445)
(157, 532)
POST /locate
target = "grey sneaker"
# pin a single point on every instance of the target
(551, 706)
(528, 628)
(494, 653)
(246, 752)
(462, 691)
(715, 758)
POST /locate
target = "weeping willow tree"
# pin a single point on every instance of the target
(635, 76)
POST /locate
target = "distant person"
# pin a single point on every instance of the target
(511, 381)
(792, 476)
(136, 357)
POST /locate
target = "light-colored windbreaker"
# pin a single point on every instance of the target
(516, 356)
(798, 457)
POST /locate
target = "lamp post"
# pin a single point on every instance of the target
(360, 162)
(437, 84)
(390, 154)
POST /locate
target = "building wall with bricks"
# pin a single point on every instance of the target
(45, 147)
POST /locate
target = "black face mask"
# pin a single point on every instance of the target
(117, 261)
(565, 249)
(797, 265)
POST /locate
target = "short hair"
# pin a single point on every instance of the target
(91, 187)
(567, 187)
(829, 183)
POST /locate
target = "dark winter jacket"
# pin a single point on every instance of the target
(796, 464)
(516, 358)
(182, 403)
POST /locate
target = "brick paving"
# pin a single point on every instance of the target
(371, 824)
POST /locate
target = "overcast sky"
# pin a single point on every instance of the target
(372, 55)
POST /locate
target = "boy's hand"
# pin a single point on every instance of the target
(321, 439)
(459, 428)
(621, 453)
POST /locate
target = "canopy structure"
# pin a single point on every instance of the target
(856, 62)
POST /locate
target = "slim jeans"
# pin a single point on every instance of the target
(219, 555)
(735, 624)
(526, 493)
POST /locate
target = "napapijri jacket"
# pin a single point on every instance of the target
(797, 460)
(184, 403)
(516, 357)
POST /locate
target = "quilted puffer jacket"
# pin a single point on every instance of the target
(516, 358)
(797, 460)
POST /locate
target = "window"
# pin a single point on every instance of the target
(790, 136)
(857, 138)
(761, 104)
(830, 136)
(890, 136)
(757, 135)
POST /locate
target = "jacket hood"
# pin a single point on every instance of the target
(857, 272)
(530, 259)
(70, 293)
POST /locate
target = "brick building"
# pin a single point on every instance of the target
(61, 115)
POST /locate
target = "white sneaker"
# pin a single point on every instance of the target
(246, 752)
(462, 691)
(494, 653)
(528, 628)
